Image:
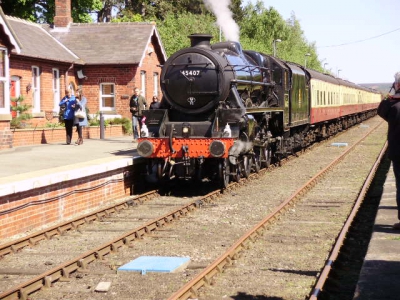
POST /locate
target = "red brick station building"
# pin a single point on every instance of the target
(106, 60)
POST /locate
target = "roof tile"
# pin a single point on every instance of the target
(38, 43)
(106, 43)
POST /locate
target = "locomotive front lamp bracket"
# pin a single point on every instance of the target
(185, 130)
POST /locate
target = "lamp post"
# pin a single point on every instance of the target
(305, 59)
(338, 72)
(274, 44)
(324, 66)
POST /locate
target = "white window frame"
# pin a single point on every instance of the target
(56, 88)
(6, 83)
(106, 108)
(143, 82)
(35, 89)
(155, 83)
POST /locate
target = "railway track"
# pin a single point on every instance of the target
(265, 241)
(60, 245)
(153, 231)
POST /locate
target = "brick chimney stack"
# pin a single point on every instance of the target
(63, 13)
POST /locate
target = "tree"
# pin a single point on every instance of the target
(176, 19)
(104, 9)
(297, 46)
(43, 11)
(160, 9)
(21, 109)
(174, 30)
(237, 10)
(260, 26)
(24, 9)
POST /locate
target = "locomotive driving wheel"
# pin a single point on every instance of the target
(159, 170)
(246, 166)
(236, 171)
(223, 168)
(267, 156)
(256, 163)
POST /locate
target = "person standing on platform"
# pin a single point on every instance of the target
(136, 105)
(155, 104)
(69, 102)
(389, 110)
(80, 122)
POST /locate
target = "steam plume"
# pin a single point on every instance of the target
(221, 10)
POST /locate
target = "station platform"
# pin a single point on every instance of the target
(29, 167)
(381, 268)
(26, 159)
(49, 183)
(22, 163)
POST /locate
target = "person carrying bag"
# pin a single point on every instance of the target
(80, 120)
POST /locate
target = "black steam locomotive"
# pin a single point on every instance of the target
(227, 112)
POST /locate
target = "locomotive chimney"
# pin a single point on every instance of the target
(200, 40)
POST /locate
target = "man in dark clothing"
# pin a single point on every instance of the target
(136, 105)
(389, 110)
(155, 104)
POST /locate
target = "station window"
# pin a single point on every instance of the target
(155, 83)
(4, 82)
(143, 83)
(56, 89)
(107, 96)
(36, 89)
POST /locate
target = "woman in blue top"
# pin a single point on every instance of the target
(80, 122)
(70, 104)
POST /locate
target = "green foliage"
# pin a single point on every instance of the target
(43, 11)
(21, 109)
(152, 10)
(53, 125)
(296, 46)
(94, 120)
(24, 9)
(261, 26)
(127, 16)
(174, 30)
(125, 122)
(176, 19)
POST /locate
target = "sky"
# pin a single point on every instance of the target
(367, 30)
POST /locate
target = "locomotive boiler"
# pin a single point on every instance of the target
(226, 112)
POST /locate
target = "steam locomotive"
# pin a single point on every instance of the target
(227, 112)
